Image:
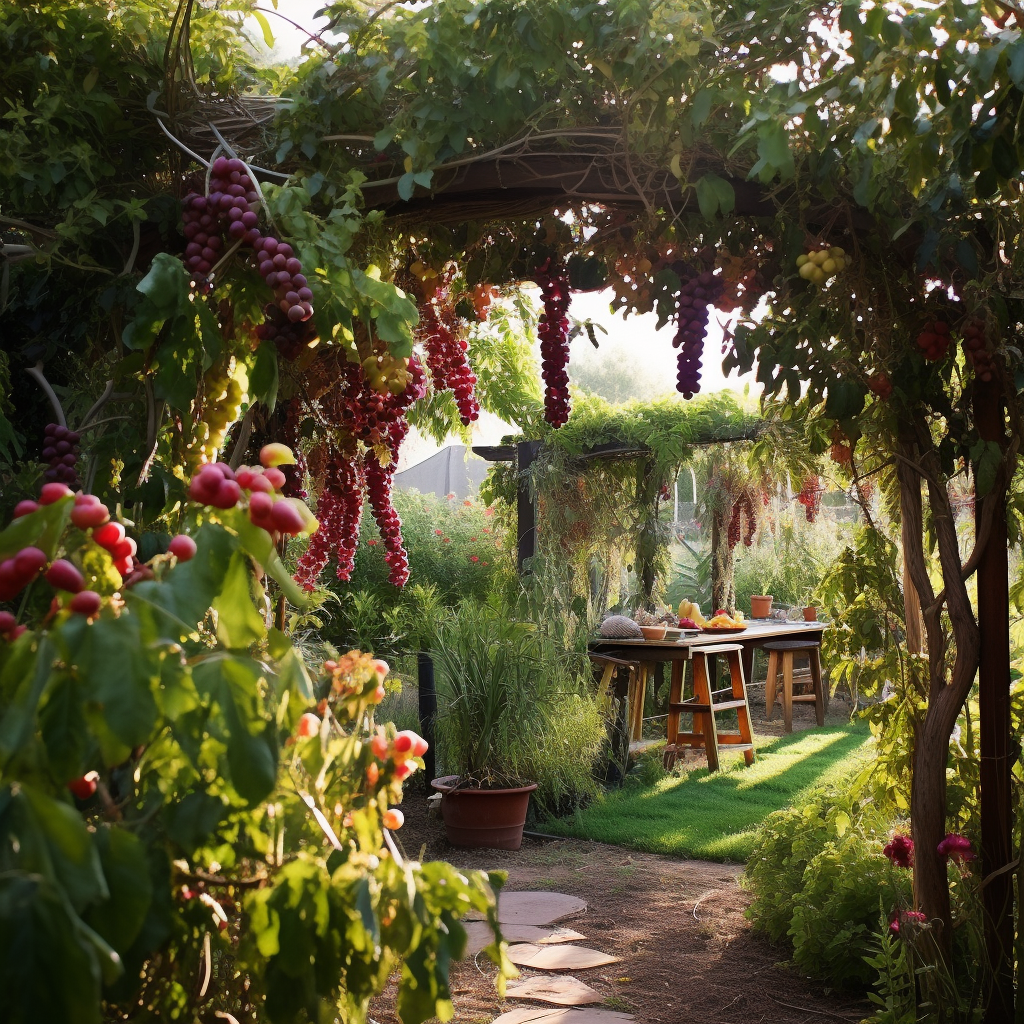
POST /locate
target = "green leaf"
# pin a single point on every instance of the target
(22, 684)
(239, 624)
(63, 726)
(115, 668)
(42, 529)
(987, 457)
(259, 544)
(268, 36)
(406, 186)
(263, 378)
(126, 870)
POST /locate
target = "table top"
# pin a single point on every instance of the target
(757, 629)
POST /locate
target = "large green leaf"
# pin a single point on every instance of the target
(23, 681)
(63, 726)
(41, 529)
(47, 975)
(258, 543)
(239, 624)
(125, 868)
(117, 671)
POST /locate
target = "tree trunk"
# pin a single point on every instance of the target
(994, 703)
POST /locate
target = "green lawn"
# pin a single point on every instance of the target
(715, 816)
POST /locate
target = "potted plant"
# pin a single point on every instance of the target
(760, 606)
(492, 718)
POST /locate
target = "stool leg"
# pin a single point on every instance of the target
(675, 695)
(702, 694)
(819, 693)
(739, 692)
(787, 690)
(770, 684)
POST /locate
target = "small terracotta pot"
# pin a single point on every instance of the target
(760, 606)
(488, 818)
(810, 613)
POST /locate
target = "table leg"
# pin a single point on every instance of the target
(747, 661)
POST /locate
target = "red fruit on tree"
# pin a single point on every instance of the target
(261, 510)
(124, 548)
(52, 492)
(260, 484)
(89, 515)
(381, 667)
(183, 547)
(108, 535)
(87, 603)
(393, 818)
(7, 622)
(25, 508)
(84, 787)
(276, 478)
(309, 725)
(124, 566)
(286, 518)
(64, 576)
(379, 745)
(29, 562)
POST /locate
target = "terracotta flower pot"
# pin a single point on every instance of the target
(760, 606)
(488, 818)
(810, 613)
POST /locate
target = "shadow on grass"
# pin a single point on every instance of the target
(714, 815)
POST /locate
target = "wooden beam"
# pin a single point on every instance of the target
(495, 453)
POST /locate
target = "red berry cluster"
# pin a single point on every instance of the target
(9, 628)
(933, 341)
(219, 486)
(446, 354)
(282, 270)
(697, 296)
(339, 508)
(290, 337)
(742, 507)
(60, 450)
(976, 350)
(810, 496)
(378, 490)
(553, 330)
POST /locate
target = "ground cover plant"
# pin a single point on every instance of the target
(717, 815)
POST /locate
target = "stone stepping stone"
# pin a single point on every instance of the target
(558, 958)
(536, 908)
(544, 1015)
(479, 935)
(560, 989)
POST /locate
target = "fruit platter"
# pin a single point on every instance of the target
(722, 622)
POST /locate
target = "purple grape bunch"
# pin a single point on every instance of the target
(697, 296)
(60, 450)
(228, 215)
(553, 331)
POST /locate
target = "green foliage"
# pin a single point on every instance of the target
(817, 875)
(895, 993)
(212, 835)
(513, 707)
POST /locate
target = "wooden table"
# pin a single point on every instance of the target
(650, 652)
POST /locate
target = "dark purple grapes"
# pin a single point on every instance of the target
(60, 452)
(696, 298)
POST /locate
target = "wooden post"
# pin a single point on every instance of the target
(428, 713)
(526, 508)
(994, 707)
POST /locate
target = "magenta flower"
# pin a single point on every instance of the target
(900, 851)
(907, 917)
(955, 847)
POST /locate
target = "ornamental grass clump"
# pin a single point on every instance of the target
(511, 709)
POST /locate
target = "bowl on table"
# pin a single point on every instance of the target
(654, 632)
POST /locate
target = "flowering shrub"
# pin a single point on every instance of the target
(182, 800)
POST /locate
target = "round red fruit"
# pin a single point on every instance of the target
(7, 622)
(227, 496)
(87, 603)
(25, 508)
(91, 515)
(29, 562)
(64, 576)
(286, 518)
(108, 535)
(84, 787)
(261, 509)
(309, 725)
(53, 492)
(183, 547)
(125, 548)
(276, 477)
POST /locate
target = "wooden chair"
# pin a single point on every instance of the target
(704, 705)
(626, 719)
(786, 651)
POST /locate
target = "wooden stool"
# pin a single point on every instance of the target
(623, 724)
(788, 650)
(703, 707)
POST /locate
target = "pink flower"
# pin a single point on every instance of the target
(447, 540)
(439, 532)
(900, 850)
(471, 539)
(907, 917)
(450, 496)
(467, 502)
(473, 558)
(488, 511)
(955, 847)
(487, 529)
(484, 563)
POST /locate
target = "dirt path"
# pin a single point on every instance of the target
(688, 954)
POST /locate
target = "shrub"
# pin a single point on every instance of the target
(818, 875)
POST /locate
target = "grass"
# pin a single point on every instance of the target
(714, 816)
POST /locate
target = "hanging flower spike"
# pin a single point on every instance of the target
(955, 847)
(907, 917)
(900, 851)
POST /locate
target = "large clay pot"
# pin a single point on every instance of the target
(488, 818)
(760, 606)
(811, 613)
